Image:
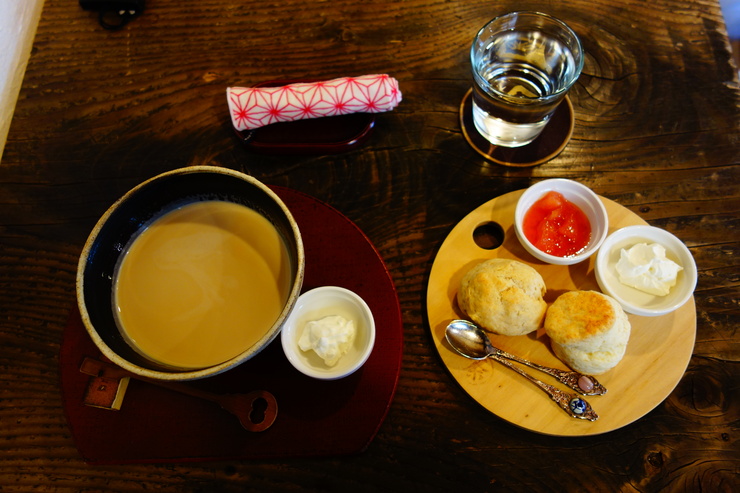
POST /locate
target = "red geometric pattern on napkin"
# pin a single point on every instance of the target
(254, 107)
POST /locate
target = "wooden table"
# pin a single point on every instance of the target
(657, 130)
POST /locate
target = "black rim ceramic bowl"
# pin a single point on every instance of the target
(130, 214)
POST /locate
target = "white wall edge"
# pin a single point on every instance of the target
(18, 22)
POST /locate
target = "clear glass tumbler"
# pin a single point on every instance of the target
(523, 65)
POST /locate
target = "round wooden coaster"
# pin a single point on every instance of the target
(549, 144)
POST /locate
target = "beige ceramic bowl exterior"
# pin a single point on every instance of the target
(104, 340)
(578, 194)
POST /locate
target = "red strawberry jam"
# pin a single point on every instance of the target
(557, 226)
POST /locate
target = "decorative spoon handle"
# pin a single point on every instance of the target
(256, 410)
(583, 384)
(570, 403)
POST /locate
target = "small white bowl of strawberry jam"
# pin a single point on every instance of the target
(560, 221)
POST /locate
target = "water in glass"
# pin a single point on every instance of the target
(520, 77)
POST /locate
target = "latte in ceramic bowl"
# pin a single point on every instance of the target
(190, 273)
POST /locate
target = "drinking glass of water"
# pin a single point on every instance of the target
(524, 63)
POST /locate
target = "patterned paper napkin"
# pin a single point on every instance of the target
(254, 107)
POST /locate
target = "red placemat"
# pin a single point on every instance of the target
(315, 418)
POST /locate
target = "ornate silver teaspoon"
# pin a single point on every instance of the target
(477, 343)
(470, 341)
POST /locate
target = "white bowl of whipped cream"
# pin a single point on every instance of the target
(329, 334)
(648, 270)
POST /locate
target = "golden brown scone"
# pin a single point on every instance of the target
(503, 296)
(588, 331)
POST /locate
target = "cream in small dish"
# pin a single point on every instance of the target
(576, 194)
(333, 308)
(634, 300)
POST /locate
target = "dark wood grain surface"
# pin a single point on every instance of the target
(657, 130)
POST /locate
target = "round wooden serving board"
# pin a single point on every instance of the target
(657, 354)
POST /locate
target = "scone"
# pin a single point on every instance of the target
(503, 296)
(588, 331)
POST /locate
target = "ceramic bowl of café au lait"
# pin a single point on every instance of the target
(190, 273)
(576, 194)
